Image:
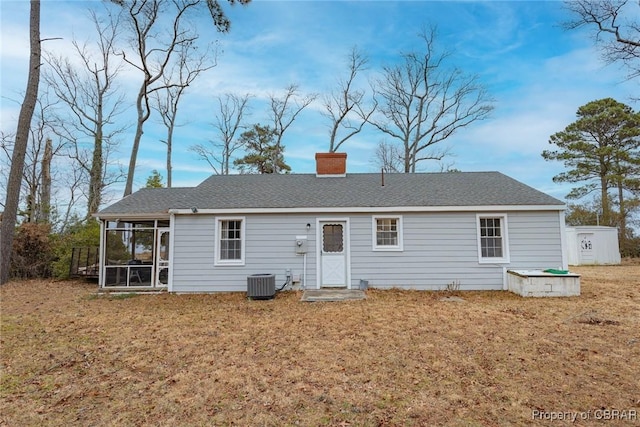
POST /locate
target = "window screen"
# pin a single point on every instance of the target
(332, 240)
(387, 232)
(231, 240)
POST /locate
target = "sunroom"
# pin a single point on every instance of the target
(134, 254)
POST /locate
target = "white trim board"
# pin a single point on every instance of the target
(392, 209)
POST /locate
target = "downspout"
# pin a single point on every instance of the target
(101, 251)
(304, 271)
(172, 220)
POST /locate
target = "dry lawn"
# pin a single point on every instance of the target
(397, 358)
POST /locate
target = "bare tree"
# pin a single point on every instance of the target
(284, 111)
(6, 146)
(422, 102)
(388, 157)
(112, 171)
(156, 47)
(345, 105)
(44, 211)
(92, 99)
(38, 159)
(7, 225)
(616, 29)
(232, 110)
(448, 166)
(73, 182)
(39, 180)
(187, 67)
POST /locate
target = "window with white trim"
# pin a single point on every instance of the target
(387, 233)
(230, 241)
(492, 239)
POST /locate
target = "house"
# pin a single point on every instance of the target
(591, 245)
(331, 229)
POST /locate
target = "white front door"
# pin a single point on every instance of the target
(333, 253)
(162, 258)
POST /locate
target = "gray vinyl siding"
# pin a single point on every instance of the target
(439, 248)
(535, 240)
(270, 249)
(442, 248)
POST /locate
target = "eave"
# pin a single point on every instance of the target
(366, 209)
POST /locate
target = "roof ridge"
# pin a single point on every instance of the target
(356, 190)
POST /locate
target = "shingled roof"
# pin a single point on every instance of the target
(455, 189)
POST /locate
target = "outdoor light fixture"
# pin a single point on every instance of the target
(194, 209)
(308, 226)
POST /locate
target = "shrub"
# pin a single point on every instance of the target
(32, 251)
(630, 247)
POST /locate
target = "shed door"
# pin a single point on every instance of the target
(585, 246)
(333, 254)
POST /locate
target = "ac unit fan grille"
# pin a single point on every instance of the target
(261, 286)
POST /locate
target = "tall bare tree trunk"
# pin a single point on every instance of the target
(33, 182)
(142, 107)
(7, 229)
(44, 207)
(169, 145)
(96, 182)
(622, 223)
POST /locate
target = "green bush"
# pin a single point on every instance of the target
(80, 234)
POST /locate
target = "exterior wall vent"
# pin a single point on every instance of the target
(261, 286)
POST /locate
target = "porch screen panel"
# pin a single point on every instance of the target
(118, 249)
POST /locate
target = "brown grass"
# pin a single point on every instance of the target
(396, 358)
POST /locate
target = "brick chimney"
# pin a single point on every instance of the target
(331, 164)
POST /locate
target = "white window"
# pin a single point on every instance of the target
(492, 239)
(230, 241)
(387, 233)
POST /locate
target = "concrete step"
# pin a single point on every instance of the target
(317, 295)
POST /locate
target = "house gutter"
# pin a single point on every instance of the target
(364, 209)
(127, 216)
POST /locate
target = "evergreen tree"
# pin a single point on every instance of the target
(264, 155)
(154, 180)
(601, 151)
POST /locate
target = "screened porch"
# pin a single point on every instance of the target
(135, 254)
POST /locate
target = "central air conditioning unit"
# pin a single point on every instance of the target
(261, 286)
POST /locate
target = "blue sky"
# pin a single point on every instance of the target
(537, 73)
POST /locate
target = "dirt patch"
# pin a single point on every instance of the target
(397, 358)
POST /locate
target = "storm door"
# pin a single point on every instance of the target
(333, 254)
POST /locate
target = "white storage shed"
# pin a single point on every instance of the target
(591, 245)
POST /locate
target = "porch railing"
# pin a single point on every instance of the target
(85, 262)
